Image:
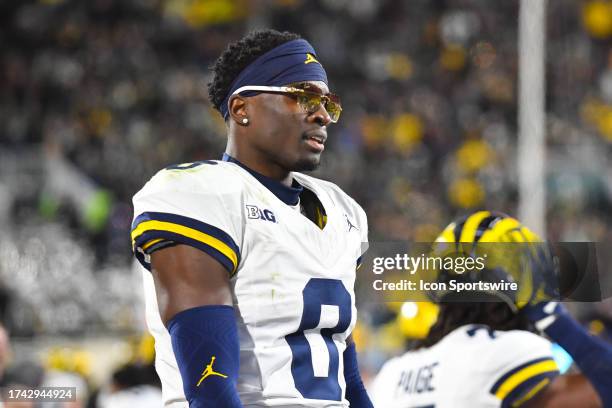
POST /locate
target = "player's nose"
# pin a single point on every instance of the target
(320, 116)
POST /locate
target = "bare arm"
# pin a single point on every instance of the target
(571, 390)
(186, 277)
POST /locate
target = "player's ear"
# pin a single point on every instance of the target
(238, 109)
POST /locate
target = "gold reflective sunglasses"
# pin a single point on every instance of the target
(310, 102)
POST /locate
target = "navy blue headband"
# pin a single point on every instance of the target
(293, 61)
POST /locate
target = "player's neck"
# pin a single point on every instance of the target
(288, 194)
(262, 167)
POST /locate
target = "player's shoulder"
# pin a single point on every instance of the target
(504, 351)
(521, 340)
(520, 336)
(201, 177)
(500, 341)
(519, 347)
(336, 193)
(515, 364)
(390, 369)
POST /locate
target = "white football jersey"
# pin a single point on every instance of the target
(473, 366)
(292, 281)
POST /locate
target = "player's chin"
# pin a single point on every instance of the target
(307, 162)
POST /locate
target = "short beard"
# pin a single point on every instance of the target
(307, 165)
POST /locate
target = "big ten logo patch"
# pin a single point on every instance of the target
(256, 213)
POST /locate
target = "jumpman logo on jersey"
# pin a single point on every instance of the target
(208, 371)
(350, 224)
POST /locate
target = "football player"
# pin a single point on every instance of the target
(483, 354)
(251, 299)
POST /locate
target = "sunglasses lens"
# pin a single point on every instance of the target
(312, 102)
(334, 109)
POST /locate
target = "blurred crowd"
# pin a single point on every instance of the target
(429, 90)
(97, 96)
(131, 381)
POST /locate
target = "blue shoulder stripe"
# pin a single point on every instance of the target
(528, 389)
(152, 227)
(515, 370)
(188, 222)
(181, 239)
(524, 381)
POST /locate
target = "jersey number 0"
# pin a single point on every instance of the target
(319, 292)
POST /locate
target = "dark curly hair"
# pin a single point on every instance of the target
(238, 55)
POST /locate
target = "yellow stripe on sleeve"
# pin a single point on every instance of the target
(523, 375)
(187, 232)
(531, 393)
(151, 243)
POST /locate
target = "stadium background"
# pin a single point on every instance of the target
(96, 96)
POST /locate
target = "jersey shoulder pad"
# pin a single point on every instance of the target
(203, 177)
(196, 204)
(521, 364)
(331, 188)
(341, 199)
(513, 345)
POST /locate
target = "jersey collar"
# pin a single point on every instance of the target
(288, 195)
